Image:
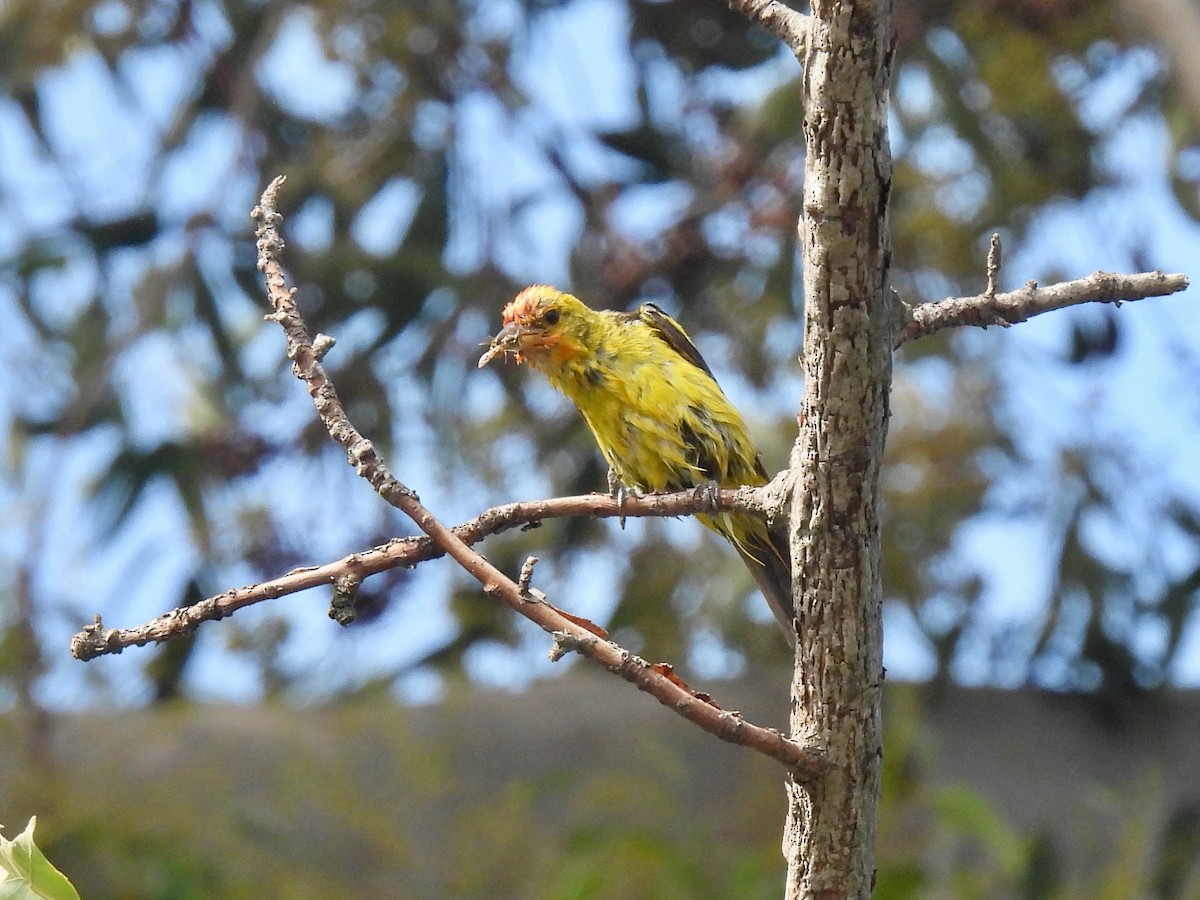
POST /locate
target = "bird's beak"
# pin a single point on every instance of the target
(508, 340)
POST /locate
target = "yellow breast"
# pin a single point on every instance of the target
(661, 422)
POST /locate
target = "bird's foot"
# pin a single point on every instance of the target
(707, 493)
(615, 485)
(619, 491)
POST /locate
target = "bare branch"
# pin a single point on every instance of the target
(785, 23)
(306, 355)
(404, 552)
(1025, 303)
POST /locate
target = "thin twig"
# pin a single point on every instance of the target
(306, 356)
(526, 577)
(1025, 303)
(993, 267)
(785, 23)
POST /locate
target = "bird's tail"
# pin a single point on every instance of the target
(766, 554)
(769, 561)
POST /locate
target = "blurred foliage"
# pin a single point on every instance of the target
(436, 155)
(369, 799)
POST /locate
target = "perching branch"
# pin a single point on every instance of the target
(405, 552)
(1024, 303)
(569, 632)
(785, 23)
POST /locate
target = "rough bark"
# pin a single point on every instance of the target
(849, 335)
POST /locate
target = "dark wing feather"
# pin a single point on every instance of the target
(767, 556)
(673, 334)
(769, 563)
(676, 338)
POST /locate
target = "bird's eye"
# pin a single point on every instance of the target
(550, 317)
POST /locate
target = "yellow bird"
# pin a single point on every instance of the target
(660, 418)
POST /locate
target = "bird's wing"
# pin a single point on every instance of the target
(673, 334)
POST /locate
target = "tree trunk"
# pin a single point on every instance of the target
(849, 335)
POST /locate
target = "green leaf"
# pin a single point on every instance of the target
(25, 872)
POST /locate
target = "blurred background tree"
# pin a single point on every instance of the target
(1043, 501)
(1042, 506)
(1042, 493)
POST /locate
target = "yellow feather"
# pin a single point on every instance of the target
(659, 417)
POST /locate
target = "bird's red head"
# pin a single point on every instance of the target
(535, 327)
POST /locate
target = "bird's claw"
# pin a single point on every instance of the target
(707, 493)
(620, 492)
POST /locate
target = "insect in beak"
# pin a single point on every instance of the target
(508, 340)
